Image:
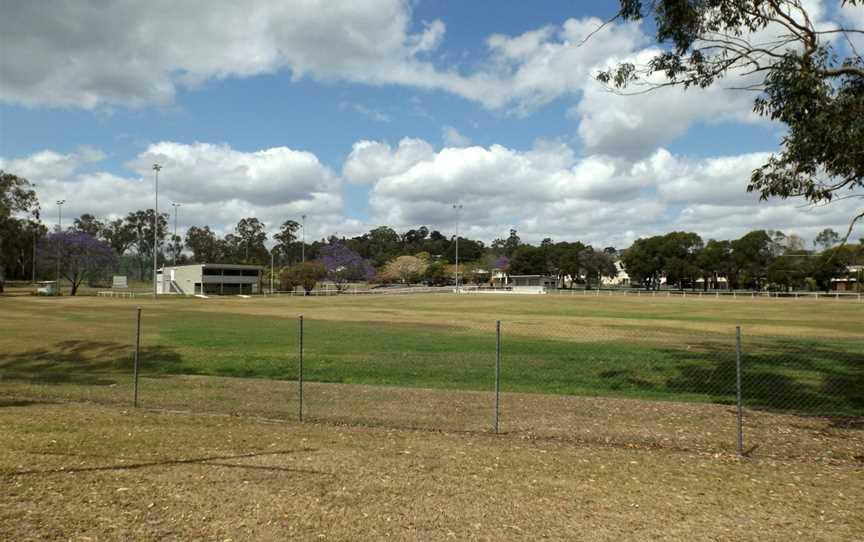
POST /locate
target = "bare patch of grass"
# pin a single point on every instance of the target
(82, 471)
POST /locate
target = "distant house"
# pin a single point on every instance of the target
(853, 281)
(209, 279)
(621, 278)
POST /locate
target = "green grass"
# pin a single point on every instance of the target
(800, 355)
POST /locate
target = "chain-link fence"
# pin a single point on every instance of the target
(679, 386)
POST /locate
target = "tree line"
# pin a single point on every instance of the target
(91, 249)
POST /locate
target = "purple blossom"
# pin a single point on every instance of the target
(80, 256)
(343, 265)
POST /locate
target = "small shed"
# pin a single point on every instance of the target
(537, 281)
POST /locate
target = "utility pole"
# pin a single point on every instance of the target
(303, 245)
(271, 270)
(458, 207)
(35, 233)
(156, 169)
(176, 206)
(59, 233)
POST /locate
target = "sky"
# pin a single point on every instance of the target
(380, 112)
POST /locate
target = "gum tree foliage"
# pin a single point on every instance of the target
(204, 245)
(80, 255)
(249, 238)
(596, 264)
(343, 265)
(140, 228)
(17, 198)
(826, 239)
(120, 234)
(810, 79)
(287, 248)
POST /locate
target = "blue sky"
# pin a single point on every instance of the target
(498, 106)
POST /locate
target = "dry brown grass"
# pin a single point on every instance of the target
(78, 472)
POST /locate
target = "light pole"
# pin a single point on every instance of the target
(60, 203)
(458, 207)
(156, 169)
(35, 232)
(271, 269)
(176, 206)
(303, 245)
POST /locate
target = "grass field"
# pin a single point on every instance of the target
(617, 419)
(799, 355)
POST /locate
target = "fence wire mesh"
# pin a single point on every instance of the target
(666, 386)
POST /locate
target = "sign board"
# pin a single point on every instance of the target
(119, 282)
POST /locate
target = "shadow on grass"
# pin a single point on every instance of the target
(214, 461)
(93, 363)
(5, 403)
(802, 378)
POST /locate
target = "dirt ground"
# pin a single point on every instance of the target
(78, 471)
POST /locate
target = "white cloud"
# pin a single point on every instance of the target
(207, 172)
(368, 112)
(215, 184)
(91, 54)
(49, 164)
(547, 191)
(454, 138)
(371, 160)
(543, 191)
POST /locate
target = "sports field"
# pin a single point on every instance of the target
(617, 418)
(801, 355)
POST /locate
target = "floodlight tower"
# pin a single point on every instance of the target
(176, 206)
(60, 203)
(156, 168)
(303, 245)
(458, 208)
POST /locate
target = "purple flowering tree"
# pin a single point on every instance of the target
(502, 263)
(80, 256)
(343, 265)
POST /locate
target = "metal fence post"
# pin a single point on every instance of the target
(738, 391)
(497, 372)
(300, 377)
(135, 360)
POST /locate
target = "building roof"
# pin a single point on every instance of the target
(216, 266)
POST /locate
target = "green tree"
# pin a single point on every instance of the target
(714, 261)
(529, 260)
(17, 197)
(597, 264)
(119, 234)
(140, 225)
(251, 236)
(805, 79)
(436, 274)
(751, 256)
(643, 261)
(305, 274)
(287, 247)
(507, 246)
(88, 224)
(204, 245)
(826, 239)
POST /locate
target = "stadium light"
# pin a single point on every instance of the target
(458, 207)
(156, 169)
(176, 206)
(303, 245)
(60, 203)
